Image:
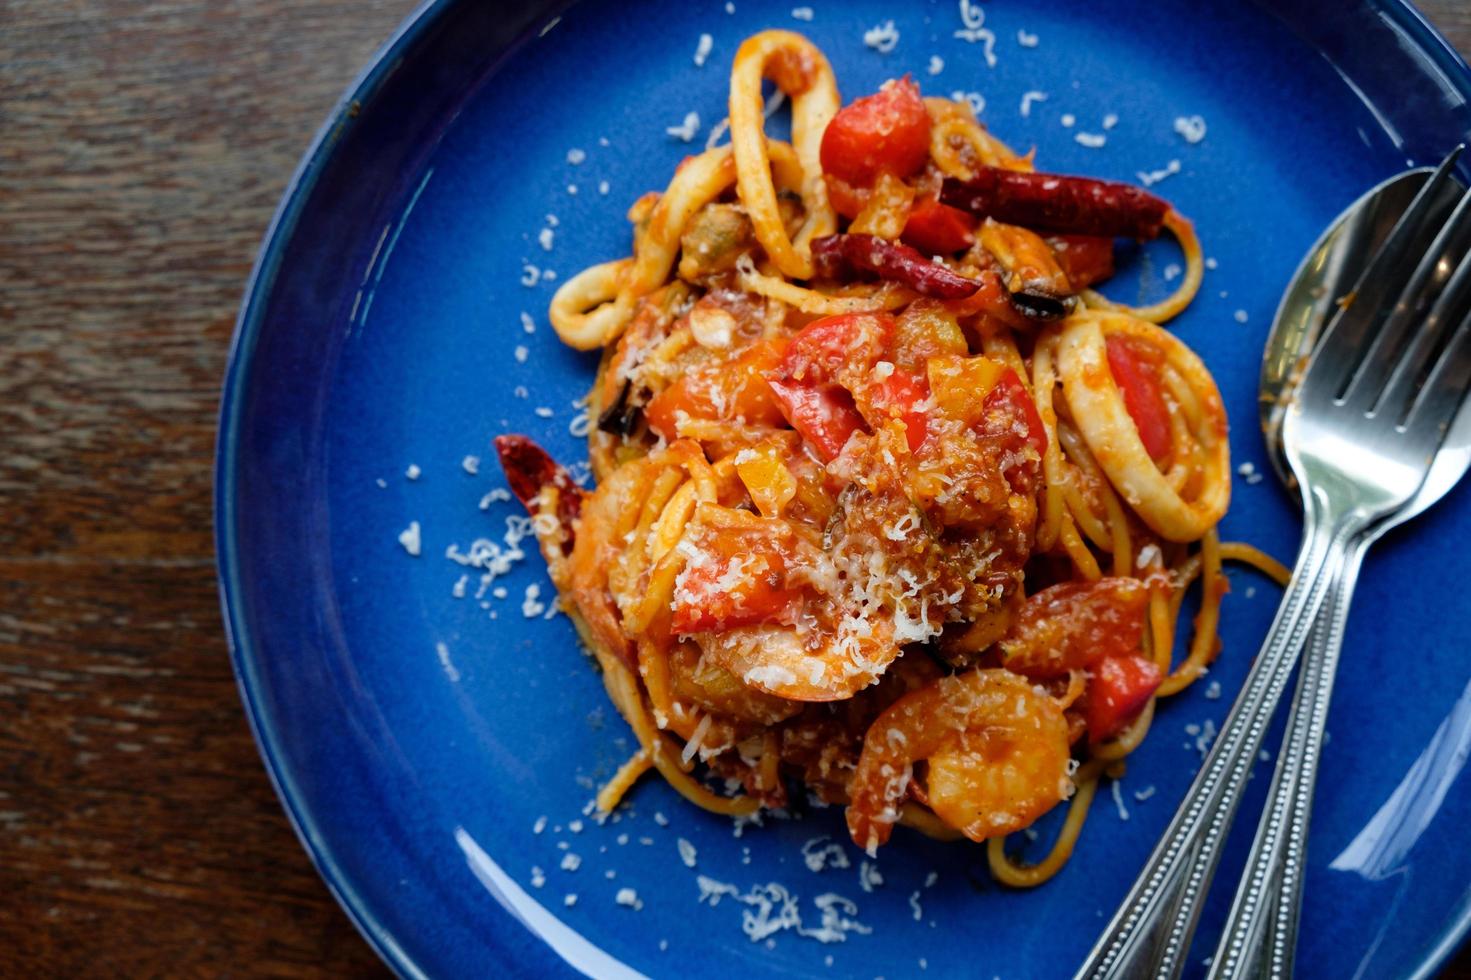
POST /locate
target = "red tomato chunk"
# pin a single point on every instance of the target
(887, 131)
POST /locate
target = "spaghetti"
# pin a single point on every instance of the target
(892, 508)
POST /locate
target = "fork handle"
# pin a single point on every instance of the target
(1260, 936)
(1150, 933)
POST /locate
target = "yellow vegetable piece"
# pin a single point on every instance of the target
(960, 384)
(767, 479)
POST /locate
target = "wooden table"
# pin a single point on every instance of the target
(143, 147)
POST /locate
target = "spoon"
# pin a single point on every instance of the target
(1325, 276)
(1259, 939)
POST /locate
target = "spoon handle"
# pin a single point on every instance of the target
(1150, 933)
(1260, 936)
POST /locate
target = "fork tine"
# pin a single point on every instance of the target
(1355, 322)
(1409, 374)
(1444, 390)
(1408, 331)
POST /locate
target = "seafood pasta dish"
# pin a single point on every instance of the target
(892, 510)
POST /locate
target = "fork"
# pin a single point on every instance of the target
(1260, 936)
(1367, 418)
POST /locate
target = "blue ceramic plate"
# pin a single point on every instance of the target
(437, 747)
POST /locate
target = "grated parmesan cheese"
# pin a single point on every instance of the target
(531, 605)
(602, 187)
(628, 898)
(576, 156)
(1118, 801)
(581, 424)
(771, 908)
(702, 49)
(1240, 316)
(822, 852)
(918, 911)
(471, 465)
(1191, 128)
(768, 675)
(973, 29)
(936, 65)
(1068, 120)
(544, 238)
(571, 862)
(975, 100)
(1026, 40)
(1110, 121)
(802, 13)
(413, 471)
(687, 852)
(1206, 737)
(521, 353)
(1151, 177)
(1140, 795)
(409, 538)
(1028, 98)
(883, 38)
(687, 130)
(1090, 140)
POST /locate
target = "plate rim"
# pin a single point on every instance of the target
(259, 285)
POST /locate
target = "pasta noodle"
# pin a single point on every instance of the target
(893, 509)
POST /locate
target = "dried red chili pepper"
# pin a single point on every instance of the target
(529, 468)
(1052, 203)
(837, 254)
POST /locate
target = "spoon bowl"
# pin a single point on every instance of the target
(1326, 277)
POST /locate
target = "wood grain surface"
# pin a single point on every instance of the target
(143, 147)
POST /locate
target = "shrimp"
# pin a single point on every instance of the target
(997, 754)
(1074, 625)
(778, 660)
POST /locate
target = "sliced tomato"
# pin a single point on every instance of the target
(901, 395)
(722, 391)
(1010, 395)
(886, 131)
(1117, 692)
(824, 414)
(938, 229)
(1135, 370)
(1085, 259)
(819, 350)
(827, 387)
(735, 578)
